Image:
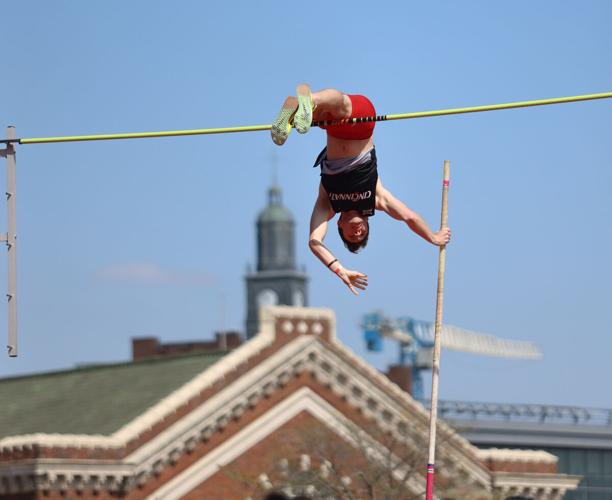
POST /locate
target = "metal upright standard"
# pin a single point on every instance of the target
(433, 419)
(11, 240)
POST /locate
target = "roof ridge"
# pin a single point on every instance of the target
(118, 364)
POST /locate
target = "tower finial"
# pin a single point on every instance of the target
(275, 197)
(274, 164)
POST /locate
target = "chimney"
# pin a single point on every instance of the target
(401, 375)
(144, 347)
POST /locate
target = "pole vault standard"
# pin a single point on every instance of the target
(256, 128)
(433, 417)
(10, 237)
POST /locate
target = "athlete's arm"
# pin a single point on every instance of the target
(396, 209)
(321, 214)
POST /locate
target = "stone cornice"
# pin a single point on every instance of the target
(540, 486)
(512, 455)
(275, 274)
(64, 475)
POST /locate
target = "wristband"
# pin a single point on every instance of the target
(329, 265)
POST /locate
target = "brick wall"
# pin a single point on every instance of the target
(151, 347)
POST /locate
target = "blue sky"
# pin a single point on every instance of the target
(152, 237)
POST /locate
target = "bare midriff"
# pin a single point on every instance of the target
(343, 148)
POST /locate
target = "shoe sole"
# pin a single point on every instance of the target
(303, 116)
(281, 127)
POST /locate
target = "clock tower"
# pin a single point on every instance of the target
(276, 280)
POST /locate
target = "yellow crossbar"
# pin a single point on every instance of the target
(256, 128)
(495, 107)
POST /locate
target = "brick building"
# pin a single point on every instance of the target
(291, 409)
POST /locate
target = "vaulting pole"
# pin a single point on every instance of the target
(433, 417)
(255, 128)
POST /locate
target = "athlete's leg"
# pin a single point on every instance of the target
(328, 104)
(281, 126)
(303, 115)
(300, 111)
(331, 102)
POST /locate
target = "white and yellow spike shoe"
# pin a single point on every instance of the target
(281, 126)
(303, 115)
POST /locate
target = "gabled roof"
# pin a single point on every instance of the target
(224, 406)
(92, 400)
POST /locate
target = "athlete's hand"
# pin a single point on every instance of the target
(352, 279)
(442, 237)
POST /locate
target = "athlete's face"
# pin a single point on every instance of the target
(354, 227)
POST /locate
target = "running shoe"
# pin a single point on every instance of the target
(281, 127)
(303, 116)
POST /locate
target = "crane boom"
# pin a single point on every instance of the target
(458, 339)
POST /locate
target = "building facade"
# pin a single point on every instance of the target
(292, 409)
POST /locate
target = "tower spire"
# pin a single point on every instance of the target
(276, 279)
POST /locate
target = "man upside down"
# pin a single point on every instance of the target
(349, 183)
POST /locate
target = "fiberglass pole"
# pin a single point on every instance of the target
(433, 417)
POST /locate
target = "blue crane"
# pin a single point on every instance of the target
(415, 340)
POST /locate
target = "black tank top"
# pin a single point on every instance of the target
(353, 190)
